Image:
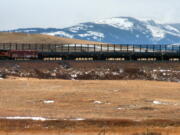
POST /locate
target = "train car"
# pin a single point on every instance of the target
(23, 54)
(4, 54)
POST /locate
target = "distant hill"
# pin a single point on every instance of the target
(11, 37)
(124, 30)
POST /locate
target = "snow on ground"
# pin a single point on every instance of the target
(25, 118)
(120, 108)
(75, 29)
(60, 33)
(93, 34)
(98, 102)
(48, 101)
(168, 27)
(157, 32)
(156, 102)
(37, 118)
(161, 70)
(76, 119)
(97, 34)
(121, 23)
(26, 31)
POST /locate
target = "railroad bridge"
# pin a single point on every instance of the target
(99, 51)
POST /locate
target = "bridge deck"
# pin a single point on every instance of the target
(99, 52)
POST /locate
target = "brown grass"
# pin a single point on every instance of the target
(6, 37)
(75, 99)
(95, 127)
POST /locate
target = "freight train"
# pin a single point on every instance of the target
(18, 54)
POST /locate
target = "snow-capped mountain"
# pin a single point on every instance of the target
(124, 30)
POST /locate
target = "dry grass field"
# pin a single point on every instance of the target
(6, 37)
(23, 38)
(90, 99)
(89, 107)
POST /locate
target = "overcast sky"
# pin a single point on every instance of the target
(63, 13)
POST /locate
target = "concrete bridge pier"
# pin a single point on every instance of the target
(160, 58)
(99, 58)
(68, 58)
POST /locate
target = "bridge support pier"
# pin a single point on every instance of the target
(133, 59)
(166, 59)
(128, 58)
(68, 58)
(99, 58)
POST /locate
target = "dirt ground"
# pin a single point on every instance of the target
(93, 70)
(80, 100)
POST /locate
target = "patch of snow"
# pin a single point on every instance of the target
(97, 34)
(25, 118)
(97, 102)
(84, 35)
(77, 119)
(93, 34)
(75, 29)
(25, 31)
(157, 32)
(164, 103)
(48, 101)
(121, 70)
(168, 27)
(60, 33)
(127, 107)
(164, 74)
(30, 30)
(120, 108)
(156, 102)
(163, 70)
(121, 23)
(74, 75)
(115, 73)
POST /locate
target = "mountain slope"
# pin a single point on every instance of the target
(11, 37)
(124, 30)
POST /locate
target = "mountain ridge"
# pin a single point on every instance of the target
(116, 30)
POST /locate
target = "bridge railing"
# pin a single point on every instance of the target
(91, 47)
